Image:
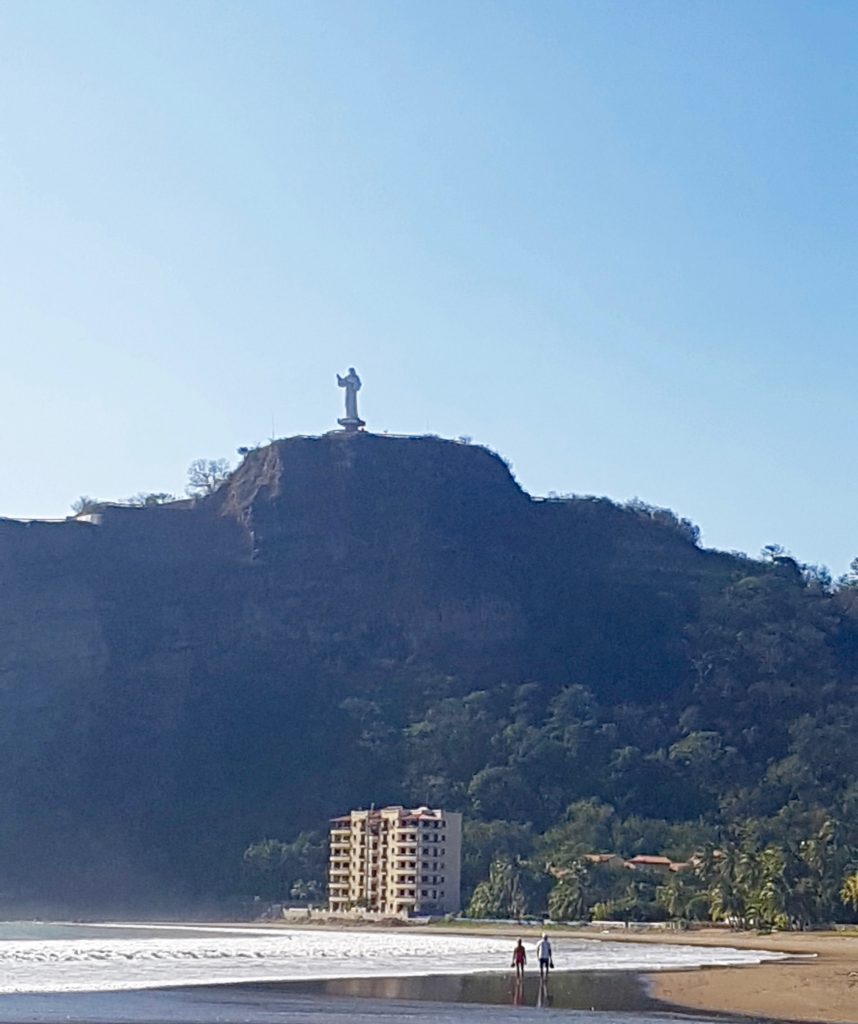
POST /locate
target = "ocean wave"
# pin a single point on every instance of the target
(142, 958)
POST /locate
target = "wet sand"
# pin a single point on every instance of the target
(623, 991)
(614, 997)
(255, 1005)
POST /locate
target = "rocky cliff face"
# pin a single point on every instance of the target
(176, 682)
(403, 543)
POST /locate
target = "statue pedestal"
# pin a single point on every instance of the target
(351, 423)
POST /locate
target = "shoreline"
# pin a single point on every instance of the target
(819, 985)
(817, 981)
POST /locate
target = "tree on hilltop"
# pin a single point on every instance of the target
(205, 476)
(145, 499)
(84, 505)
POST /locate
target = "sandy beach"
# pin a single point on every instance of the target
(176, 973)
(822, 987)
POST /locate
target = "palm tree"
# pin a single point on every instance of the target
(676, 896)
(728, 892)
(849, 892)
(502, 893)
(771, 896)
(567, 901)
(826, 857)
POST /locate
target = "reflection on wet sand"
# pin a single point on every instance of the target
(544, 999)
(518, 991)
(572, 990)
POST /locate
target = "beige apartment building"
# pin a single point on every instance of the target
(396, 861)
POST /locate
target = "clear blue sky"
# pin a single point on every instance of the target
(614, 241)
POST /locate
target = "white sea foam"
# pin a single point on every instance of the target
(140, 957)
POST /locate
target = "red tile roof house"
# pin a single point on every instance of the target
(653, 863)
(612, 860)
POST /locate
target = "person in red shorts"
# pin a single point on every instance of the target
(519, 959)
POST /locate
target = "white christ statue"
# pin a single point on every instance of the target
(351, 383)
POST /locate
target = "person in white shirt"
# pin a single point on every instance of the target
(543, 955)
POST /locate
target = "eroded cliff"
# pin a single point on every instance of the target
(178, 681)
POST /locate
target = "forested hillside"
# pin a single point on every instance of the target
(365, 619)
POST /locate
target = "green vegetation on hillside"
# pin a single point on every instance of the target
(747, 765)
